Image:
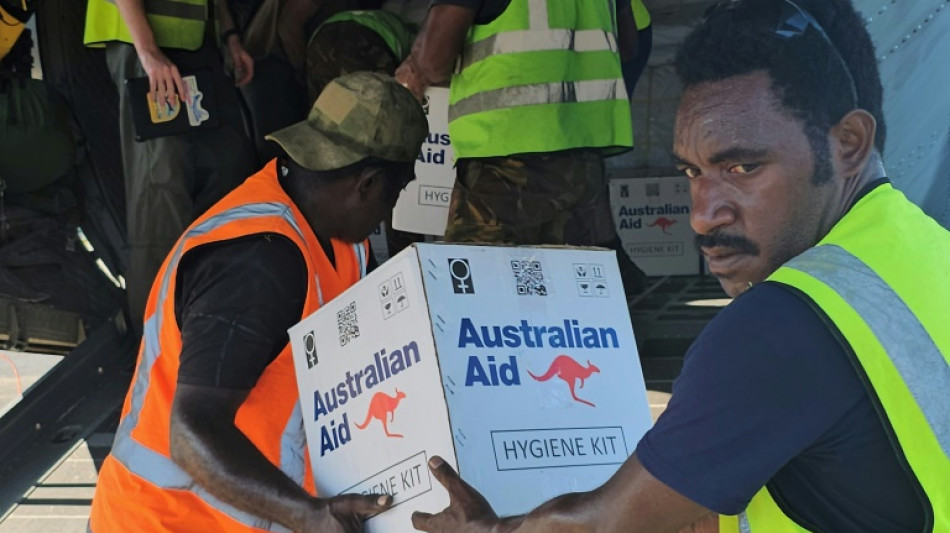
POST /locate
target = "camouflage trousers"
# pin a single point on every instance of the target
(551, 198)
(343, 47)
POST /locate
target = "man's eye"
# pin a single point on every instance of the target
(691, 172)
(743, 168)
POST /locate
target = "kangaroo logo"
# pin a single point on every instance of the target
(664, 224)
(570, 371)
(381, 406)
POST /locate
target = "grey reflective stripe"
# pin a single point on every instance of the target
(538, 14)
(537, 94)
(143, 461)
(913, 352)
(293, 444)
(361, 259)
(170, 8)
(744, 526)
(539, 41)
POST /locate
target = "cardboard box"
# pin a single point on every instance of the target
(652, 219)
(423, 206)
(517, 365)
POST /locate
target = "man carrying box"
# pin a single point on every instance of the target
(211, 437)
(818, 399)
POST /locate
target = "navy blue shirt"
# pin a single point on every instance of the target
(769, 395)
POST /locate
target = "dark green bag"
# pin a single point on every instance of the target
(36, 144)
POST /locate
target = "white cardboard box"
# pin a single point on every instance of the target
(423, 207)
(472, 353)
(652, 219)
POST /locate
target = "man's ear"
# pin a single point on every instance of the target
(368, 178)
(853, 142)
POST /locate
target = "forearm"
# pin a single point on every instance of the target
(632, 501)
(223, 13)
(133, 14)
(436, 48)
(568, 513)
(223, 461)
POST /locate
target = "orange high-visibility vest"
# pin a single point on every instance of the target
(140, 488)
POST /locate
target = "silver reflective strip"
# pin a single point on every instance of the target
(538, 14)
(918, 360)
(143, 461)
(744, 526)
(361, 259)
(539, 41)
(537, 94)
(316, 281)
(293, 444)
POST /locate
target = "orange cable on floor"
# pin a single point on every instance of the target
(19, 385)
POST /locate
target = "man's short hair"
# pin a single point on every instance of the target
(806, 75)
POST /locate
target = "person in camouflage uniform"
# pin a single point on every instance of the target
(528, 130)
(549, 198)
(353, 41)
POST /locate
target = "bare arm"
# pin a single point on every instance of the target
(631, 501)
(290, 29)
(436, 48)
(241, 61)
(163, 76)
(207, 445)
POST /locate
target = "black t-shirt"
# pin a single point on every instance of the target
(488, 10)
(234, 302)
(768, 394)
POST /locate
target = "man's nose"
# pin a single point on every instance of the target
(712, 205)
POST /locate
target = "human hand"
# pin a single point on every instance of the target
(242, 62)
(164, 80)
(411, 79)
(468, 511)
(344, 513)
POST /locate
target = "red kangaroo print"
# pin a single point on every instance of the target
(381, 406)
(570, 371)
(664, 224)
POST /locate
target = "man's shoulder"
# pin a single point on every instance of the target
(765, 310)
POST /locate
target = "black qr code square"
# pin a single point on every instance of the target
(653, 189)
(347, 324)
(529, 278)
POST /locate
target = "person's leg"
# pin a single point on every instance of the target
(591, 219)
(520, 199)
(223, 157)
(158, 204)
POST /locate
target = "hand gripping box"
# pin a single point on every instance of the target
(516, 365)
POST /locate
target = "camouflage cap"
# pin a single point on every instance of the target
(359, 115)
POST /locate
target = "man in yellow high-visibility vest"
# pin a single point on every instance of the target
(536, 102)
(170, 180)
(818, 399)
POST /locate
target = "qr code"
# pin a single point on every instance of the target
(529, 278)
(653, 189)
(347, 324)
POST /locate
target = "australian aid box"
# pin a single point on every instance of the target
(652, 219)
(517, 365)
(423, 206)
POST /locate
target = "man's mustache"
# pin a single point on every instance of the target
(735, 243)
